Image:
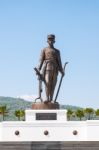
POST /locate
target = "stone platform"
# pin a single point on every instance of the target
(49, 145)
(47, 126)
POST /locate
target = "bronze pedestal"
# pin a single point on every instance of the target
(43, 105)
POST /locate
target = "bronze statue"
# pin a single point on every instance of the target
(50, 64)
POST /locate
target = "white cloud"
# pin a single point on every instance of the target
(28, 97)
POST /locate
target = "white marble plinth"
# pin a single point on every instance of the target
(34, 131)
(61, 115)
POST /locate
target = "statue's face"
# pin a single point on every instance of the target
(51, 41)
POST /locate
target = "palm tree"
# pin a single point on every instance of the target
(0, 110)
(69, 114)
(97, 112)
(79, 113)
(89, 112)
(19, 114)
(3, 111)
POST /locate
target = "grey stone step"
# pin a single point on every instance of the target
(49, 145)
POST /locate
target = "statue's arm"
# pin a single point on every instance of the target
(60, 63)
(41, 60)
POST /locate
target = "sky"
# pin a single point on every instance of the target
(24, 26)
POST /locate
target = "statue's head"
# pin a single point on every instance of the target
(51, 38)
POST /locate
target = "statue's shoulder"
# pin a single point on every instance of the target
(57, 51)
(44, 49)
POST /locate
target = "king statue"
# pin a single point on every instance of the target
(50, 64)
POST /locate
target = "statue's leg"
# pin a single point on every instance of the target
(47, 87)
(53, 84)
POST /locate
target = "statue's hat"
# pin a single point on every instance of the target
(51, 36)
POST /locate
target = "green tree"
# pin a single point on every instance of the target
(69, 114)
(97, 112)
(19, 114)
(79, 113)
(89, 112)
(3, 111)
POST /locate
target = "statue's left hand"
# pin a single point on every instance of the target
(62, 72)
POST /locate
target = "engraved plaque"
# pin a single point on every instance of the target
(46, 116)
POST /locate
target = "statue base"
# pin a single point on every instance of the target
(45, 105)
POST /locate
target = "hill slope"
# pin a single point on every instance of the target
(12, 105)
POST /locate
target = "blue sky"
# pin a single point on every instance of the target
(24, 25)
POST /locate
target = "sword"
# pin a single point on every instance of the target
(60, 83)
